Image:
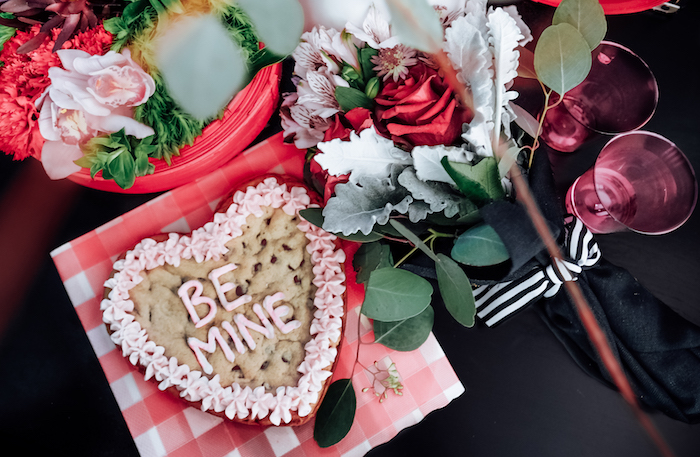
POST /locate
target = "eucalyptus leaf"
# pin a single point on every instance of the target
(392, 295)
(336, 413)
(562, 58)
(370, 257)
(201, 65)
(416, 23)
(526, 64)
(507, 160)
(479, 246)
(279, 23)
(410, 236)
(587, 16)
(456, 290)
(405, 335)
(313, 216)
(349, 98)
(480, 183)
(358, 207)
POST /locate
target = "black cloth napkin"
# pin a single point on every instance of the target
(659, 350)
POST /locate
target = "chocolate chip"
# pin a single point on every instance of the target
(285, 358)
(263, 243)
(273, 259)
(297, 281)
(257, 267)
(239, 291)
(286, 248)
(265, 364)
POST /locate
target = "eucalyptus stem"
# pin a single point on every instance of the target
(547, 107)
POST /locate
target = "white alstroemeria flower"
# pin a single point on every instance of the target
(317, 93)
(375, 30)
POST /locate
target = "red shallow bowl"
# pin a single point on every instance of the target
(244, 118)
(617, 6)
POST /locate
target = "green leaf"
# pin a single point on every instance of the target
(392, 295)
(587, 16)
(479, 246)
(410, 236)
(370, 257)
(406, 335)
(142, 166)
(365, 57)
(349, 98)
(279, 23)
(416, 23)
(562, 58)
(456, 290)
(315, 216)
(480, 183)
(201, 65)
(121, 168)
(336, 413)
(261, 59)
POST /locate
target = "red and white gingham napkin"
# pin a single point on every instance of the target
(163, 425)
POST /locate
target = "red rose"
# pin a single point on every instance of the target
(356, 120)
(420, 110)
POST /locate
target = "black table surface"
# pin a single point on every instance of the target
(524, 396)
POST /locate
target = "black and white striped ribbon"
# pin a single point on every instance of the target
(497, 301)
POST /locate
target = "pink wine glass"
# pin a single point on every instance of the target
(619, 95)
(640, 181)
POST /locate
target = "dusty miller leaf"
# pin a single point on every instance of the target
(468, 50)
(587, 16)
(315, 217)
(366, 154)
(504, 37)
(435, 194)
(426, 160)
(562, 58)
(358, 207)
(336, 413)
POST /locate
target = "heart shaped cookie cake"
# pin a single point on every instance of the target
(244, 315)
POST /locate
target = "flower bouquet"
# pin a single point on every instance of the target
(413, 139)
(133, 96)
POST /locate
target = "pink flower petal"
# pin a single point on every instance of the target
(58, 159)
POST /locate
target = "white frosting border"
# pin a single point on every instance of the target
(208, 242)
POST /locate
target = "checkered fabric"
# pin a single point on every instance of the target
(163, 425)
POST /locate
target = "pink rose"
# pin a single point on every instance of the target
(92, 95)
(420, 110)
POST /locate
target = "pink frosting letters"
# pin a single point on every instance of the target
(195, 300)
(221, 289)
(210, 346)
